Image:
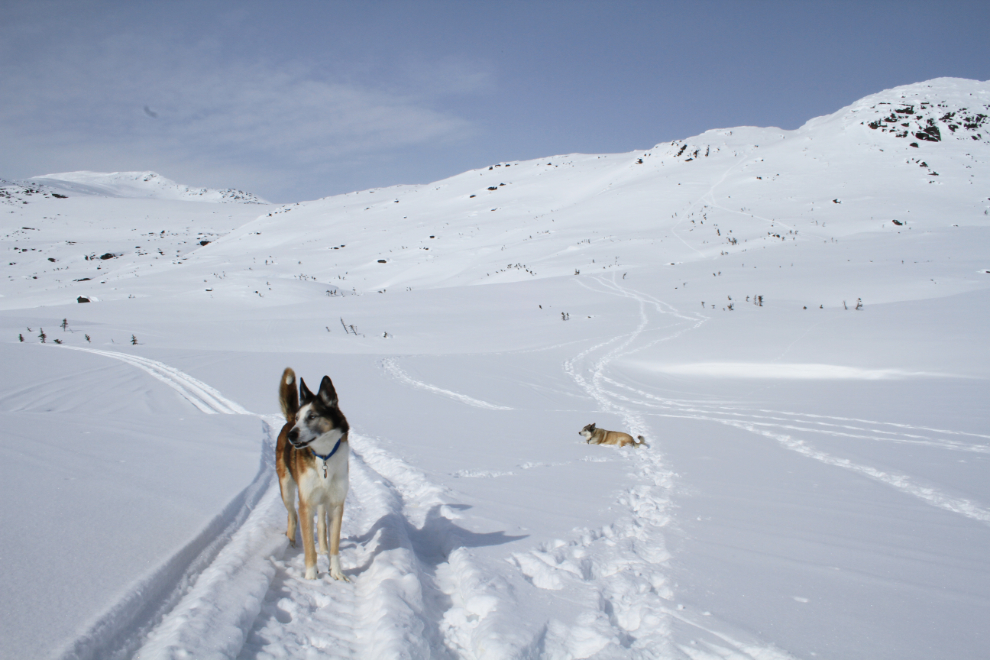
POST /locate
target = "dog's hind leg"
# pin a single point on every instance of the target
(288, 488)
(336, 519)
(309, 546)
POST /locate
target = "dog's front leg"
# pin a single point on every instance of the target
(288, 488)
(321, 528)
(309, 547)
(336, 518)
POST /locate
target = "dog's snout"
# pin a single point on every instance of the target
(293, 434)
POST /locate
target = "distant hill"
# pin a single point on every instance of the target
(148, 185)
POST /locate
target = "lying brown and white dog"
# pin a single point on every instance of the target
(596, 436)
(311, 457)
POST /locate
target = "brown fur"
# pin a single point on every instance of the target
(288, 396)
(596, 436)
(299, 470)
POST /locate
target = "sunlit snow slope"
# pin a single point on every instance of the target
(795, 320)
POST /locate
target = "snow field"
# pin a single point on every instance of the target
(815, 481)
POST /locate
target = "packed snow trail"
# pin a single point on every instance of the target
(249, 599)
(397, 535)
(389, 609)
(621, 569)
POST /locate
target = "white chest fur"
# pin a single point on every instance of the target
(327, 482)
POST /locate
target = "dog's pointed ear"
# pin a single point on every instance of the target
(305, 395)
(328, 395)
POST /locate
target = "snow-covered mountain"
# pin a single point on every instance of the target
(138, 185)
(794, 320)
(835, 177)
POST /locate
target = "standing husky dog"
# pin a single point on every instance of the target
(595, 436)
(311, 456)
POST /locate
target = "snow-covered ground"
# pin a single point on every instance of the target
(795, 321)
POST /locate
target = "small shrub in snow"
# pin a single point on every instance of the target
(349, 329)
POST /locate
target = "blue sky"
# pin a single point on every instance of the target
(299, 100)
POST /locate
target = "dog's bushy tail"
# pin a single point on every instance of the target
(288, 395)
(642, 441)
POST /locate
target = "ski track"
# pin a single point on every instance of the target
(196, 392)
(773, 426)
(621, 567)
(620, 570)
(120, 631)
(396, 372)
(414, 591)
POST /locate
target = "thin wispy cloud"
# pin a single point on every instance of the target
(211, 114)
